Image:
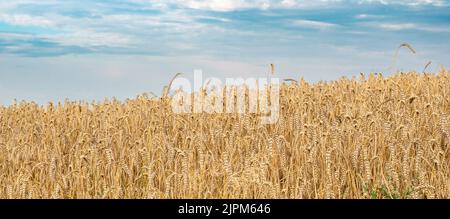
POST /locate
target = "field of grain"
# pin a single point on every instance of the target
(366, 137)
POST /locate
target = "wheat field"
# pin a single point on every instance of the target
(366, 137)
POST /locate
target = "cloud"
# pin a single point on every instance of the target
(34, 46)
(26, 20)
(92, 38)
(218, 5)
(368, 16)
(106, 26)
(313, 24)
(233, 5)
(212, 18)
(175, 20)
(8, 5)
(230, 5)
(437, 3)
(409, 26)
(398, 26)
(188, 26)
(212, 5)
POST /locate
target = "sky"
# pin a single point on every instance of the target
(52, 50)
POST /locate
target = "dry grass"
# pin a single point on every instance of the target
(368, 137)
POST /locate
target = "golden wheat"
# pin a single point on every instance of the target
(368, 137)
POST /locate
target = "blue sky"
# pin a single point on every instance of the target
(89, 50)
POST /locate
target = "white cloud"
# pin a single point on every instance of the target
(168, 19)
(6, 5)
(232, 5)
(216, 5)
(438, 3)
(289, 3)
(408, 26)
(91, 38)
(398, 26)
(313, 24)
(25, 20)
(214, 18)
(368, 16)
(362, 16)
